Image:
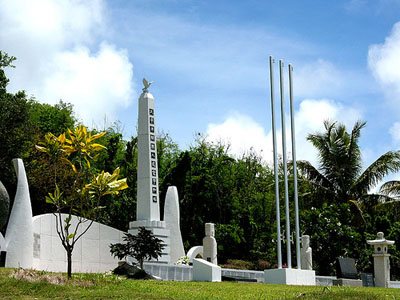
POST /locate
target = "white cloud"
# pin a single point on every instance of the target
(395, 132)
(59, 56)
(384, 62)
(355, 5)
(243, 133)
(96, 84)
(318, 78)
(321, 78)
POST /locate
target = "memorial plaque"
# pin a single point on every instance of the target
(367, 279)
(346, 268)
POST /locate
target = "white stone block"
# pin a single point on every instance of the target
(289, 276)
(205, 271)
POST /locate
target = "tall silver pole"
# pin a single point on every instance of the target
(288, 240)
(278, 217)
(296, 200)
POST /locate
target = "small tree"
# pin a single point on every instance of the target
(142, 246)
(82, 193)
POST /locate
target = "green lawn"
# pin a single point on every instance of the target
(102, 287)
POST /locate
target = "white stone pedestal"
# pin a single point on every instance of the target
(381, 260)
(289, 276)
(205, 271)
(382, 270)
(158, 228)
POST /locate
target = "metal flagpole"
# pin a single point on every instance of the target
(288, 239)
(296, 200)
(278, 218)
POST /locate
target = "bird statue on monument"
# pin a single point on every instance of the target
(146, 85)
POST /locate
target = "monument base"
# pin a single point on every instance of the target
(347, 282)
(205, 271)
(289, 276)
(158, 228)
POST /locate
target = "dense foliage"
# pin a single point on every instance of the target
(142, 246)
(80, 192)
(237, 194)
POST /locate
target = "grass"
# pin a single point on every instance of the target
(103, 287)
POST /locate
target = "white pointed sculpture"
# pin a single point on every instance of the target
(19, 234)
(172, 221)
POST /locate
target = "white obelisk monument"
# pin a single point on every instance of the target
(148, 204)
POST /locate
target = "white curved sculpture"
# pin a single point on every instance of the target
(193, 252)
(172, 221)
(19, 234)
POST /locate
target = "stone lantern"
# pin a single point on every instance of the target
(381, 260)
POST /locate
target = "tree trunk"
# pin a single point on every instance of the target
(69, 261)
(141, 264)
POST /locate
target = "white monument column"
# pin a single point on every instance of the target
(381, 260)
(148, 199)
(148, 204)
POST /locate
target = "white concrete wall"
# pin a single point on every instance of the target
(91, 252)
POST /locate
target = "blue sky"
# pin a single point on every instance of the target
(209, 62)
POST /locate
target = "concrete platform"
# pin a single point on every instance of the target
(347, 282)
(289, 276)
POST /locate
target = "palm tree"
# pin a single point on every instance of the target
(340, 176)
(392, 189)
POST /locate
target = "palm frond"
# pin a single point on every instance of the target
(312, 174)
(387, 163)
(391, 188)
